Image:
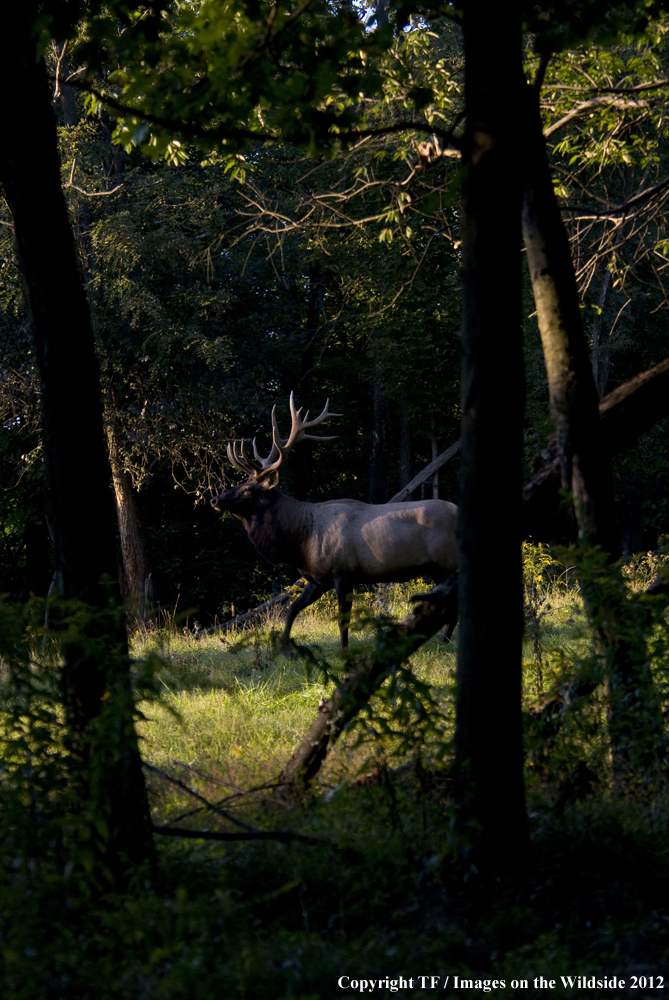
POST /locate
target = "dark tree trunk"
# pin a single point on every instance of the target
(302, 458)
(382, 12)
(378, 462)
(78, 473)
(585, 467)
(136, 581)
(489, 758)
(38, 571)
(406, 465)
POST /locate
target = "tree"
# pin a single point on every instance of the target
(82, 517)
(488, 725)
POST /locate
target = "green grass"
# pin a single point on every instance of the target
(235, 709)
(382, 893)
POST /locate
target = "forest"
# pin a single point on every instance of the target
(449, 224)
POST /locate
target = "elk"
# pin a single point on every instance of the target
(338, 543)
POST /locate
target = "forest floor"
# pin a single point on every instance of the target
(378, 895)
(380, 901)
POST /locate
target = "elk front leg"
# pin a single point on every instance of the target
(311, 593)
(343, 591)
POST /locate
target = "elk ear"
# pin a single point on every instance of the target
(272, 480)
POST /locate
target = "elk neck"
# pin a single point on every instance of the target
(278, 526)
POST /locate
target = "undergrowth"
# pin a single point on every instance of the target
(378, 893)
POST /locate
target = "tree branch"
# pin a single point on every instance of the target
(428, 471)
(284, 835)
(625, 414)
(200, 798)
(394, 646)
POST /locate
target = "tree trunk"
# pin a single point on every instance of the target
(405, 464)
(378, 462)
(136, 577)
(77, 470)
(488, 739)
(585, 463)
(302, 458)
(435, 475)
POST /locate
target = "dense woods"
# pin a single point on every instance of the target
(452, 223)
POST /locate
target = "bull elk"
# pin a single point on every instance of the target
(338, 543)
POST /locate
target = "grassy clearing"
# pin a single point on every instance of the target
(385, 892)
(234, 709)
(230, 712)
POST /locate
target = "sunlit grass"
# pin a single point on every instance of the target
(232, 709)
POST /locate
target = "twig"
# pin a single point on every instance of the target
(201, 798)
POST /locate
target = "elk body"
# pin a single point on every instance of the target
(339, 543)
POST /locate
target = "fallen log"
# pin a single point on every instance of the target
(436, 609)
(425, 473)
(249, 617)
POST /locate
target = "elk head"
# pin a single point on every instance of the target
(263, 476)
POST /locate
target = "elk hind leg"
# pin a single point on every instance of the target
(343, 591)
(311, 593)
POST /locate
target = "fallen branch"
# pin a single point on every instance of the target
(428, 471)
(436, 609)
(249, 617)
(633, 408)
(285, 835)
(625, 413)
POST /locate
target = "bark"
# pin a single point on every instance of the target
(303, 455)
(489, 762)
(633, 408)
(585, 465)
(405, 464)
(382, 12)
(136, 574)
(77, 470)
(378, 463)
(436, 609)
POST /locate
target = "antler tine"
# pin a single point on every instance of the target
(240, 461)
(280, 448)
(317, 420)
(274, 451)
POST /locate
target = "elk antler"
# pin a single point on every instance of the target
(280, 449)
